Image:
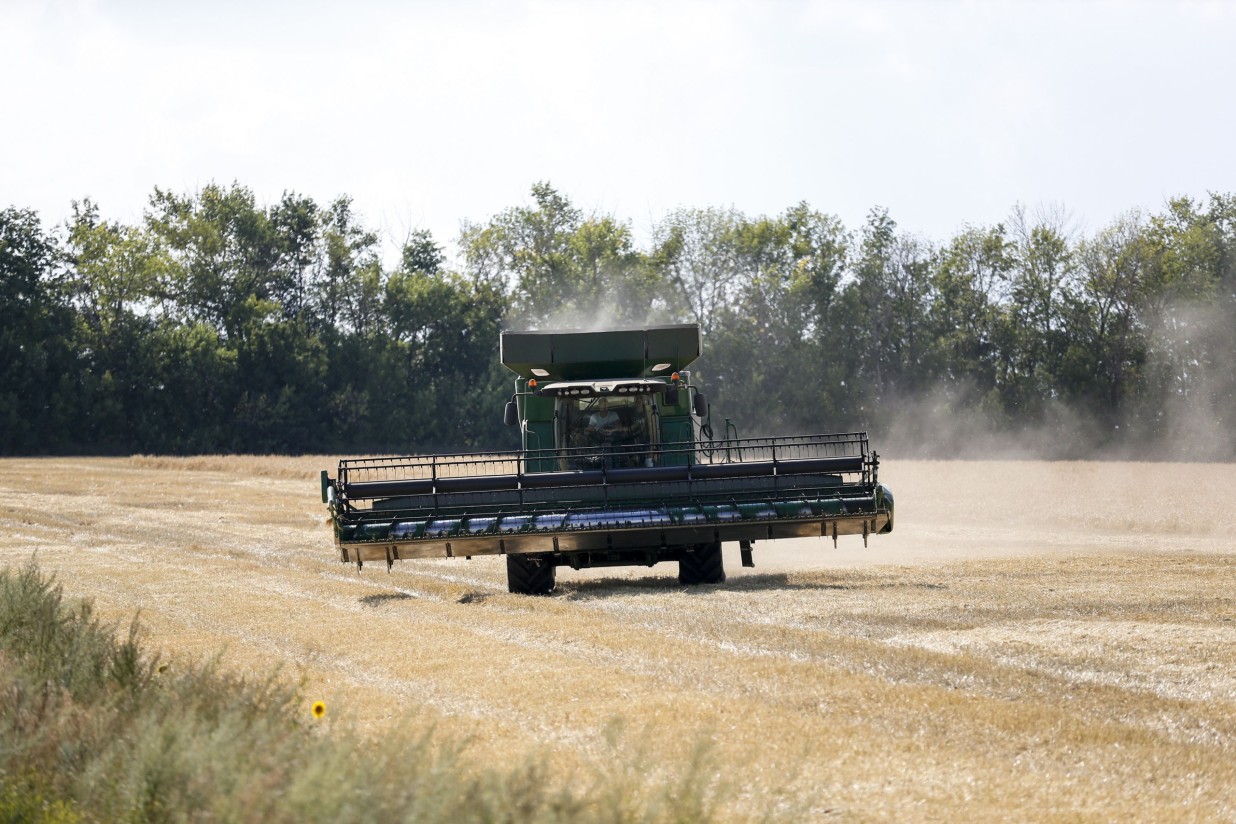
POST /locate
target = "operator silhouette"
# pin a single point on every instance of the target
(604, 417)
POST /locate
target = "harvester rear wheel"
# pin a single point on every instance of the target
(703, 566)
(529, 576)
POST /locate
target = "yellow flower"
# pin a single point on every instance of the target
(319, 709)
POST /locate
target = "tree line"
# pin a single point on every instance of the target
(220, 324)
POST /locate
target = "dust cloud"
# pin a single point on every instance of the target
(616, 307)
(1184, 408)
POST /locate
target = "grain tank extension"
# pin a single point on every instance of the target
(618, 466)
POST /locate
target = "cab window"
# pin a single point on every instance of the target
(607, 421)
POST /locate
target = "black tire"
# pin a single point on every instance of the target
(529, 576)
(704, 565)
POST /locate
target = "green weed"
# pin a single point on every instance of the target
(93, 728)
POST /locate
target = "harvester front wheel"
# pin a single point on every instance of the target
(703, 566)
(529, 576)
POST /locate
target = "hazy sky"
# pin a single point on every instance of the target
(428, 113)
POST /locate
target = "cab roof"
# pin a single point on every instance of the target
(606, 388)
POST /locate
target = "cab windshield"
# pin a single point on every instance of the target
(622, 424)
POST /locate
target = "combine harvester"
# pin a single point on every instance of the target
(618, 467)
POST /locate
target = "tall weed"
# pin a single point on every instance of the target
(93, 728)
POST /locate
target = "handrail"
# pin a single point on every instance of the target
(599, 476)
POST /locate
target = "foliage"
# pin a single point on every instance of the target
(556, 266)
(92, 727)
(219, 324)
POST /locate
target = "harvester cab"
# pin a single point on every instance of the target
(617, 466)
(605, 390)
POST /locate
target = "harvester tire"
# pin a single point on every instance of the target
(527, 576)
(703, 566)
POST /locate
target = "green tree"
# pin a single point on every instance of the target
(879, 323)
(1043, 281)
(1190, 313)
(295, 224)
(39, 396)
(222, 252)
(771, 341)
(699, 253)
(349, 280)
(1116, 271)
(969, 284)
(117, 271)
(421, 253)
(559, 267)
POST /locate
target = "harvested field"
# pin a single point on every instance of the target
(1036, 641)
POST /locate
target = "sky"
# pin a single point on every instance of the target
(428, 114)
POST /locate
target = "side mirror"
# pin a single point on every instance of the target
(671, 396)
(701, 405)
(511, 416)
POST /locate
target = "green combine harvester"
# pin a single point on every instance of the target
(618, 467)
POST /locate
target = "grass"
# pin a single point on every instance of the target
(92, 728)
